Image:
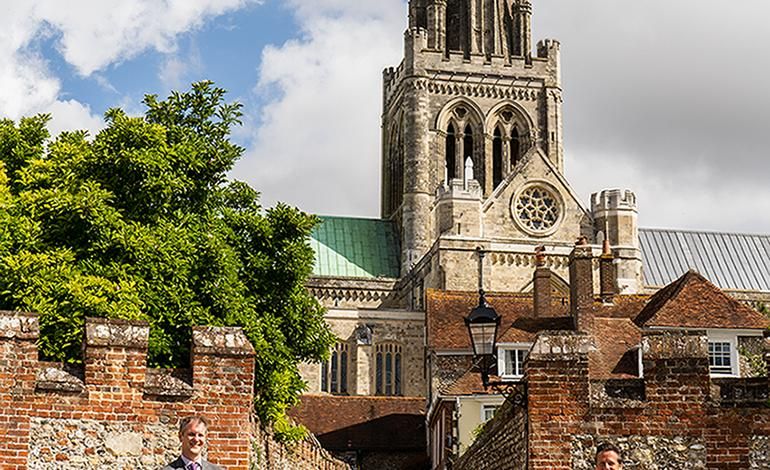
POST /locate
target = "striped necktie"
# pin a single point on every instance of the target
(194, 466)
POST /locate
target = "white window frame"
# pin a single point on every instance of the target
(502, 350)
(494, 407)
(721, 336)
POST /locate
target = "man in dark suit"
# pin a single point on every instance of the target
(192, 434)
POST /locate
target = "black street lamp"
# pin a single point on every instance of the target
(483, 323)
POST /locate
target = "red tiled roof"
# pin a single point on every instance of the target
(615, 356)
(446, 311)
(468, 384)
(693, 302)
(622, 306)
(363, 422)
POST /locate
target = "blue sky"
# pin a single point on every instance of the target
(669, 99)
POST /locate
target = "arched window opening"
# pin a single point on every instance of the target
(515, 147)
(497, 158)
(395, 169)
(468, 144)
(451, 154)
(334, 372)
(388, 364)
(470, 151)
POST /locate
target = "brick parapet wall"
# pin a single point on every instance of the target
(116, 412)
(681, 419)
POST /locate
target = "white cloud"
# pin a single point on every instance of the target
(96, 34)
(672, 106)
(176, 69)
(91, 35)
(317, 146)
(73, 115)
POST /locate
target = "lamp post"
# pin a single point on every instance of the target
(483, 323)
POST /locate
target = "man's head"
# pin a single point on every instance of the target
(608, 457)
(192, 434)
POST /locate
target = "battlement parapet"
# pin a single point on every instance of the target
(130, 410)
(546, 47)
(613, 199)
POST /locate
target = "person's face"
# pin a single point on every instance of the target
(193, 439)
(608, 460)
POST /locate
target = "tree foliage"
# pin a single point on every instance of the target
(140, 223)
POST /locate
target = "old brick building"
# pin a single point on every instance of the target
(676, 378)
(472, 157)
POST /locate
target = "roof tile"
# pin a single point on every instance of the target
(693, 302)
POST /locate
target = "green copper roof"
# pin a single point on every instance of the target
(349, 247)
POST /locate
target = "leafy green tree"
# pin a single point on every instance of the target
(140, 223)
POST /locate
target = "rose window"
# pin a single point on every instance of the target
(537, 209)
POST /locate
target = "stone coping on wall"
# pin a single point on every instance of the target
(18, 325)
(117, 333)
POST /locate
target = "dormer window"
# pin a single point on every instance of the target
(510, 360)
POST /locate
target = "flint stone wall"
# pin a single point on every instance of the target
(643, 452)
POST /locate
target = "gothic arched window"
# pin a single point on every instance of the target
(334, 372)
(388, 365)
(497, 158)
(477, 157)
(451, 152)
(515, 147)
(468, 142)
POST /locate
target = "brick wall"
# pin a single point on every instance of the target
(115, 412)
(676, 417)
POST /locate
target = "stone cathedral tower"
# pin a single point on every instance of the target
(472, 148)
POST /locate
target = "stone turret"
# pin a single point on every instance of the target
(616, 219)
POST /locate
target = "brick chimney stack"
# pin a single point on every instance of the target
(607, 275)
(542, 285)
(581, 292)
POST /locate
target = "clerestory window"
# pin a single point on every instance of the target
(388, 363)
(334, 372)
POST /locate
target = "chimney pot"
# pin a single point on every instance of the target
(607, 274)
(542, 285)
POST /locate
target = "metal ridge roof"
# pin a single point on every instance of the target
(732, 261)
